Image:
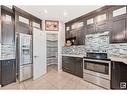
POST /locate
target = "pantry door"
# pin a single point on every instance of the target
(39, 53)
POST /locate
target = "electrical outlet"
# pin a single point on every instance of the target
(122, 84)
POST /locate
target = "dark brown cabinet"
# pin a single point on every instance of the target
(22, 28)
(68, 65)
(0, 72)
(107, 18)
(8, 71)
(118, 32)
(90, 29)
(7, 27)
(79, 67)
(118, 75)
(103, 26)
(73, 65)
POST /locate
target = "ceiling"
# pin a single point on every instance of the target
(62, 13)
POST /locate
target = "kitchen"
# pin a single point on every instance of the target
(90, 48)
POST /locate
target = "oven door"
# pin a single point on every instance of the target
(98, 68)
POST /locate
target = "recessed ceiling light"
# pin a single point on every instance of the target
(65, 13)
(45, 11)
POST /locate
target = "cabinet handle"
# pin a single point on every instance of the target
(67, 68)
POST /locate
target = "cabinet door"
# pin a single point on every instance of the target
(102, 27)
(90, 29)
(115, 75)
(68, 65)
(118, 75)
(73, 65)
(118, 31)
(8, 72)
(0, 72)
(8, 33)
(22, 28)
(79, 67)
(80, 36)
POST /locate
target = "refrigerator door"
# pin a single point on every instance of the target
(25, 47)
(25, 72)
(24, 56)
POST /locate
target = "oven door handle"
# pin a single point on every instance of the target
(93, 60)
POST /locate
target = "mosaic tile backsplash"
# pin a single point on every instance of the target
(118, 50)
(74, 50)
(7, 51)
(98, 43)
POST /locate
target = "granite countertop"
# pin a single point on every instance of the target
(114, 58)
(72, 55)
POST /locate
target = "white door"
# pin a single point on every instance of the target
(39, 53)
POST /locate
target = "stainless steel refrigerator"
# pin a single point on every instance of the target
(24, 56)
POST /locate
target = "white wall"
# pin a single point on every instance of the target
(61, 40)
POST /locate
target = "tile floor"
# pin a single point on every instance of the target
(53, 80)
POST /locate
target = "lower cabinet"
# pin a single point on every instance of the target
(0, 72)
(8, 71)
(73, 65)
(118, 75)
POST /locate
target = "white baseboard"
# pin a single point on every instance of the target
(52, 64)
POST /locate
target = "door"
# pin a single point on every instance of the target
(39, 53)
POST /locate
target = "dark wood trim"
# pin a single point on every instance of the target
(7, 9)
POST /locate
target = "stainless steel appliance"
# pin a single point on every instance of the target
(97, 69)
(24, 56)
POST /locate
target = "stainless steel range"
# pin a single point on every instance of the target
(96, 69)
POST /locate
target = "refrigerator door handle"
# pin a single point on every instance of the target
(36, 56)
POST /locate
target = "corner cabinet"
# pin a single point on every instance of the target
(73, 65)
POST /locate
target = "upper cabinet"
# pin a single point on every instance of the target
(74, 31)
(119, 25)
(25, 22)
(102, 21)
(7, 26)
(107, 18)
(90, 25)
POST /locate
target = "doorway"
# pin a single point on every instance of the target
(52, 51)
